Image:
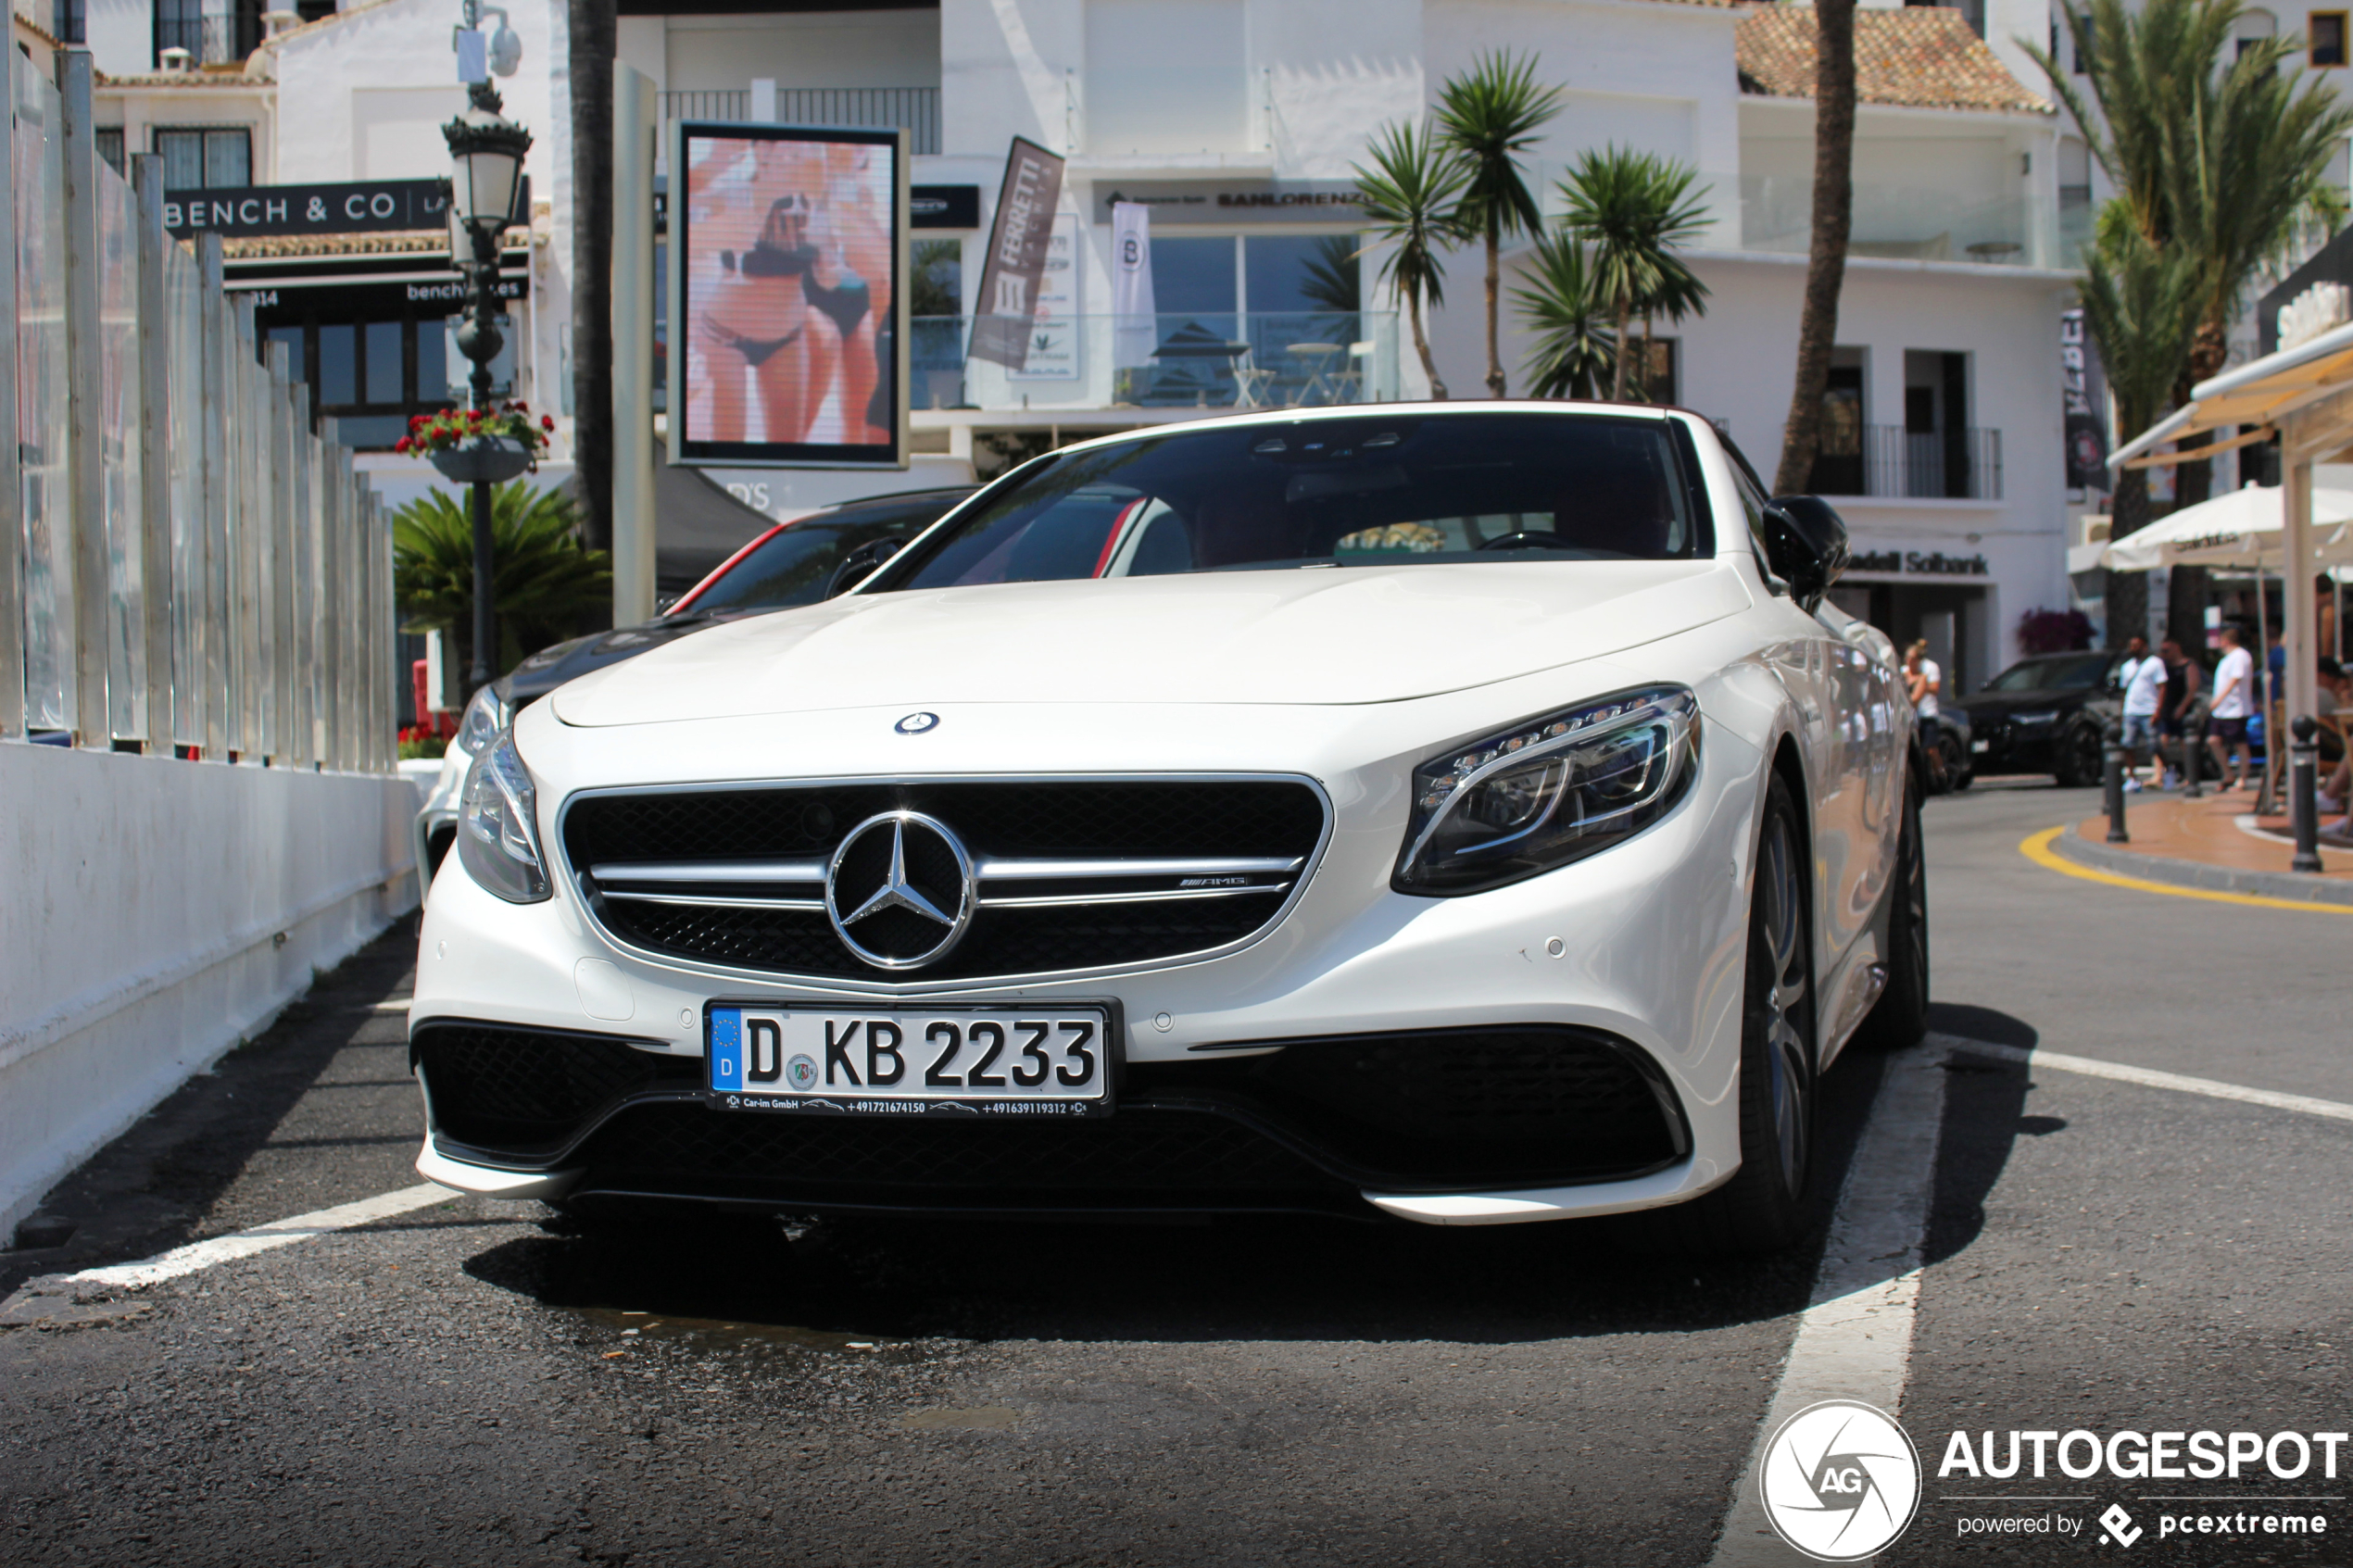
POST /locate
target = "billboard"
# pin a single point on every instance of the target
(789, 249)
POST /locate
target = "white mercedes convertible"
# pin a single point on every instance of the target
(1466, 813)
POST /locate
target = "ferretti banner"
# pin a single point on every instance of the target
(1018, 243)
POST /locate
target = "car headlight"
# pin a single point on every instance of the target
(497, 825)
(486, 716)
(1548, 791)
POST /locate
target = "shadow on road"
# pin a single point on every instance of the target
(1229, 1279)
(1985, 1104)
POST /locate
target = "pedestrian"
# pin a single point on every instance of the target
(2234, 701)
(2142, 676)
(2175, 723)
(1922, 679)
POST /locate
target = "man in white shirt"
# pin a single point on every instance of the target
(2142, 676)
(2234, 701)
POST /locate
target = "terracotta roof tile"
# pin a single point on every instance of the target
(1920, 57)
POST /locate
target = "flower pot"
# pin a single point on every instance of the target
(493, 459)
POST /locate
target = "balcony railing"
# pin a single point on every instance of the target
(210, 41)
(1277, 359)
(913, 109)
(1955, 465)
(1910, 222)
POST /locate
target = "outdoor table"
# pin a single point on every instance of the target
(1319, 357)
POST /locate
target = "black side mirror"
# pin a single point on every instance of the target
(861, 564)
(1805, 544)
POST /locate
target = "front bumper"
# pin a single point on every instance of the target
(1634, 958)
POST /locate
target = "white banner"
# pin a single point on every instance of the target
(1134, 324)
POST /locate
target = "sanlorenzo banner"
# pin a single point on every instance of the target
(1018, 242)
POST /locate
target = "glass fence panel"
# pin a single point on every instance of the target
(1914, 224)
(38, 145)
(1175, 359)
(119, 451)
(192, 696)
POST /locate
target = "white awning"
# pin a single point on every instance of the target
(2240, 528)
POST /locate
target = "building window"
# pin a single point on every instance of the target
(372, 375)
(65, 21)
(200, 157)
(214, 33)
(2325, 32)
(110, 147)
(2325, 36)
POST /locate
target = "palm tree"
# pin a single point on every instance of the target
(1488, 118)
(1826, 260)
(2140, 302)
(1576, 344)
(1410, 197)
(1635, 209)
(593, 32)
(2212, 151)
(1330, 276)
(545, 581)
(1680, 294)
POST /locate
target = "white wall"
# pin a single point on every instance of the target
(362, 96)
(160, 912)
(807, 49)
(122, 35)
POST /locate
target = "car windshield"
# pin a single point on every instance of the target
(798, 562)
(2082, 673)
(1413, 489)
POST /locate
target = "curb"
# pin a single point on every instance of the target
(2191, 873)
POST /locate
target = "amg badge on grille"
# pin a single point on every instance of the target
(904, 881)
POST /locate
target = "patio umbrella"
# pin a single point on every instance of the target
(2243, 528)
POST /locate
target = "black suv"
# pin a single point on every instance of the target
(2047, 714)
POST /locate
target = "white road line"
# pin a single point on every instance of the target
(1854, 1341)
(2150, 1077)
(262, 1238)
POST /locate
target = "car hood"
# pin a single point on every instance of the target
(1356, 634)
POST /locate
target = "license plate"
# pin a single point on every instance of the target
(911, 1062)
(1981, 745)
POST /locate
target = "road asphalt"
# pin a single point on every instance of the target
(473, 1382)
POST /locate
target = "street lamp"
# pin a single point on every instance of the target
(485, 154)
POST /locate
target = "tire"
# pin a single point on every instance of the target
(1899, 1019)
(1958, 775)
(2083, 754)
(1765, 1207)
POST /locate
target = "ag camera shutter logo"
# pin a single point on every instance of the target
(1840, 1481)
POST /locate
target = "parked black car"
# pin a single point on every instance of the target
(2047, 714)
(793, 563)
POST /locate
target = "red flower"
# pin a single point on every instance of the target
(401, 445)
(415, 420)
(547, 421)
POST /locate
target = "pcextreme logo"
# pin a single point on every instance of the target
(1840, 1481)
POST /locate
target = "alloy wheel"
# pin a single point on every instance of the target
(1786, 1003)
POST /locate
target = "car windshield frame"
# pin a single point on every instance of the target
(1316, 491)
(816, 545)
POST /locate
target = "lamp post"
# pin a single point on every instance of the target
(485, 154)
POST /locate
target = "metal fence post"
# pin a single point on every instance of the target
(85, 482)
(277, 475)
(156, 584)
(212, 426)
(2303, 790)
(252, 509)
(2113, 780)
(325, 530)
(12, 573)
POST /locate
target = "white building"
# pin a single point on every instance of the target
(1239, 122)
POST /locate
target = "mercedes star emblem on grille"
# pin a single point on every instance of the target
(916, 723)
(904, 881)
